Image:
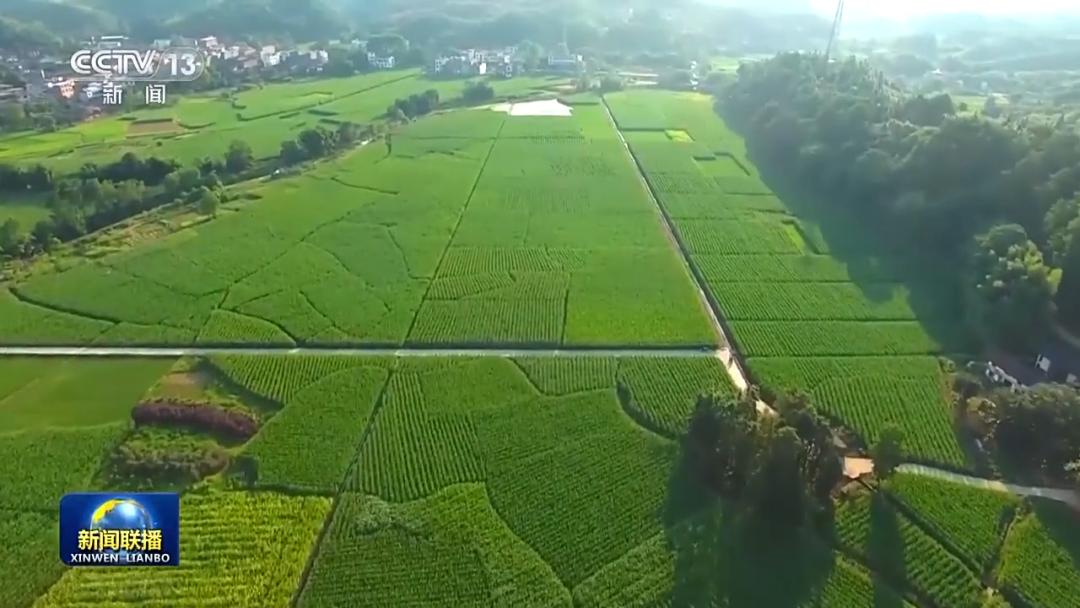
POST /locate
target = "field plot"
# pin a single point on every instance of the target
(891, 543)
(524, 230)
(870, 393)
(33, 543)
(467, 556)
(37, 467)
(1039, 561)
(35, 393)
(559, 245)
(238, 549)
(970, 519)
(812, 314)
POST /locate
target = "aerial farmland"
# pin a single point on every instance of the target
(471, 361)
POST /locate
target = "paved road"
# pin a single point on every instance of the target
(196, 351)
(1068, 497)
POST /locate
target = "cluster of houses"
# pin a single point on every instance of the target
(244, 57)
(505, 63)
(1057, 361)
(52, 77)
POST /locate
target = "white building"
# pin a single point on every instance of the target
(381, 63)
(162, 43)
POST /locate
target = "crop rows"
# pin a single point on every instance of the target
(868, 394)
(280, 377)
(662, 392)
(411, 452)
(895, 546)
(563, 376)
(227, 328)
(490, 321)
(814, 301)
(237, 548)
(971, 519)
(29, 565)
(712, 206)
(1038, 560)
(823, 338)
(311, 442)
(374, 551)
(738, 236)
(611, 476)
(37, 467)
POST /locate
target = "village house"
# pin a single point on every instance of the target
(381, 63)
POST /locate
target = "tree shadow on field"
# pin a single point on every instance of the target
(726, 556)
(1062, 524)
(874, 260)
(885, 551)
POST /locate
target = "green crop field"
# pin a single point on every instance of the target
(37, 393)
(812, 313)
(262, 116)
(453, 481)
(240, 549)
(890, 542)
(1039, 558)
(970, 519)
(532, 230)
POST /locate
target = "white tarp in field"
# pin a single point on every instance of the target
(546, 107)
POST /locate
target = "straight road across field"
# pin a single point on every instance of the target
(506, 353)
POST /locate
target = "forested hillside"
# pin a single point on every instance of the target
(995, 196)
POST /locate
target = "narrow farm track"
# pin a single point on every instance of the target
(1068, 497)
(726, 353)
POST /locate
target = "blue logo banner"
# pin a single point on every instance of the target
(120, 529)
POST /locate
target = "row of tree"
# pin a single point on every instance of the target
(939, 181)
(414, 106)
(98, 196)
(319, 142)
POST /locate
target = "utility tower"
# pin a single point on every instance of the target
(835, 33)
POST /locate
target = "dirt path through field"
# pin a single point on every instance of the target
(726, 353)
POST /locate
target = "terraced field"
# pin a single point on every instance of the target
(813, 306)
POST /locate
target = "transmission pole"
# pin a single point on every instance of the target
(835, 33)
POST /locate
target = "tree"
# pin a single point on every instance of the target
(779, 490)
(239, 158)
(171, 184)
(722, 437)
(386, 45)
(478, 92)
(1068, 292)
(1039, 426)
(292, 153)
(9, 237)
(347, 134)
(1012, 290)
(888, 452)
(316, 142)
(189, 179)
(208, 202)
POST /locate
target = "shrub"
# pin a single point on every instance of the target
(231, 424)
